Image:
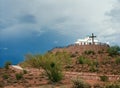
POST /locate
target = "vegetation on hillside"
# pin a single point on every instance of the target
(84, 60)
(113, 50)
(7, 64)
(88, 52)
(52, 63)
(79, 83)
(113, 85)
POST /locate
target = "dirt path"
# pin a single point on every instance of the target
(91, 76)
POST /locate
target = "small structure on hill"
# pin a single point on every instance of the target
(90, 40)
(82, 45)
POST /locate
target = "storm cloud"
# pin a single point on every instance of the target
(67, 17)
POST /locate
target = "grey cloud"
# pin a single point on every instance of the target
(113, 31)
(115, 15)
(68, 17)
(2, 25)
(28, 18)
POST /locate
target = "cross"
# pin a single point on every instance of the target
(92, 38)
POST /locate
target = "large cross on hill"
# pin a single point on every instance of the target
(92, 36)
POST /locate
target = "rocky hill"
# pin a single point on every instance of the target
(97, 65)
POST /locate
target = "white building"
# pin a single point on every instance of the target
(90, 40)
(87, 41)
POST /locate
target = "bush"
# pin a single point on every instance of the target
(53, 68)
(24, 72)
(73, 55)
(5, 76)
(78, 83)
(64, 57)
(100, 52)
(83, 60)
(52, 63)
(32, 61)
(7, 64)
(98, 86)
(112, 86)
(19, 76)
(93, 69)
(117, 60)
(89, 52)
(114, 50)
(95, 63)
(104, 78)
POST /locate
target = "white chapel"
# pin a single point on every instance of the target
(88, 41)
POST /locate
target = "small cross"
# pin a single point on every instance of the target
(92, 38)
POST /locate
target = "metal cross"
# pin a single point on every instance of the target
(92, 38)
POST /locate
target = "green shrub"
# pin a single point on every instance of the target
(117, 60)
(114, 50)
(83, 60)
(93, 69)
(7, 64)
(64, 57)
(73, 55)
(53, 69)
(89, 52)
(98, 86)
(37, 60)
(95, 63)
(78, 83)
(24, 72)
(32, 61)
(116, 85)
(5, 76)
(100, 52)
(104, 78)
(19, 76)
(52, 63)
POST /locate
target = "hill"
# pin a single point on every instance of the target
(95, 64)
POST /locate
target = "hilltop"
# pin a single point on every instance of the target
(80, 49)
(97, 54)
